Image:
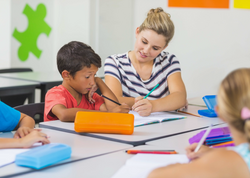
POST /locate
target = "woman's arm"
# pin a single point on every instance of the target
(116, 88)
(175, 100)
(177, 97)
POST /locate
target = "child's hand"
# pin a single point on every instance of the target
(142, 106)
(91, 93)
(22, 131)
(123, 108)
(34, 137)
(193, 155)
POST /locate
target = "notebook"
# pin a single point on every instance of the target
(155, 117)
(141, 165)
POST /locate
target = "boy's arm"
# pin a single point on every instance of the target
(25, 126)
(67, 114)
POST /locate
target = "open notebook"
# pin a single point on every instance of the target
(155, 117)
(141, 165)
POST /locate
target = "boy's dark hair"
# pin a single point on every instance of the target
(76, 55)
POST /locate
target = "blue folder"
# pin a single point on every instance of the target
(43, 156)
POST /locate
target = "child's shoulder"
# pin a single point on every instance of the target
(57, 90)
(224, 162)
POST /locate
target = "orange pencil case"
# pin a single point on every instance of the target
(104, 122)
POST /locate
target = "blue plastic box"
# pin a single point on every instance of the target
(43, 156)
(210, 101)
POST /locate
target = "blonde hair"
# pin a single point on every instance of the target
(233, 95)
(160, 22)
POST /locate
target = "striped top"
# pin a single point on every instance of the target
(243, 151)
(120, 67)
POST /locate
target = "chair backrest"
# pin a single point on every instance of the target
(34, 110)
(11, 70)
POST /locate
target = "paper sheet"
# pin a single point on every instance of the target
(141, 165)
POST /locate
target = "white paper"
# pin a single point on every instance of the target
(140, 165)
(8, 156)
(153, 117)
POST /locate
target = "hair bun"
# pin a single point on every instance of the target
(154, 11)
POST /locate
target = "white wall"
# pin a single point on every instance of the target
(208, 42)
(5, 34)
(20, 22)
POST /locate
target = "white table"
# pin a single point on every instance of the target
(11, 87)
(46, 79)
(82, 148)
(104, 166)
(143, 134)
(178, 142)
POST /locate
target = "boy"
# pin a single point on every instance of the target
(78, 64)
(25, 136)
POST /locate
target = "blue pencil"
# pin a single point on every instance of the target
(151, 91)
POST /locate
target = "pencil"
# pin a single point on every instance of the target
(110, 100)
(151, 91)
(188, 113)
(203, 138)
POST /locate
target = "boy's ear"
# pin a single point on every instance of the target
(65, 74)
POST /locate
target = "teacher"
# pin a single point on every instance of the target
(132, 75)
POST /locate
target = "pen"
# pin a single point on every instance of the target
(151, 91)
(203, 138)
(152, 151)
(110, 100)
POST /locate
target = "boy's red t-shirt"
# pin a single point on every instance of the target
(60, 95)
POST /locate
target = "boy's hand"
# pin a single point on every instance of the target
(34, 137)
(22, 131)
(193, 155)
(123, 108)
(142, 106)
(91, 93)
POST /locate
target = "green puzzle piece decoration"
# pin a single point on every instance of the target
(36, 26)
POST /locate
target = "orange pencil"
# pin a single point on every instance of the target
(151, 151)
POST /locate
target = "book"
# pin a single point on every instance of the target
(141, 165)
(155, 117)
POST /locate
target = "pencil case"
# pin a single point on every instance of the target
(104, 122)
(210, 101)
(43, 156)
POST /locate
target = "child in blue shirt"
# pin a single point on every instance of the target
(25, 136)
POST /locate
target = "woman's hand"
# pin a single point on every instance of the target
(34, 137)
(193, 155)
(142, 106)
(123, 108)
(22, 131)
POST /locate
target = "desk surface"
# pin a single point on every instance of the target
(82, 147)
(97, 167)
(143, 134)
(178, 142)
(104, 166)
(8, 83)
(42, 77)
